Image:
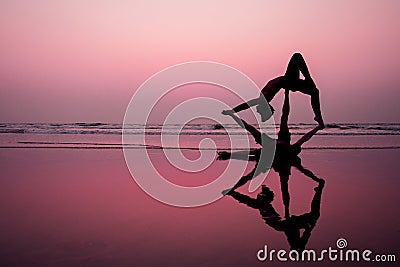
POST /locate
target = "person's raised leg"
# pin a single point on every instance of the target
(305, 88)
(296, 65)
(315, 104)
(292, 81)
(307, 136)
(292, 69)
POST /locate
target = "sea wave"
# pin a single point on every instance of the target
(98, 128)
(384, 127)
(92, 145)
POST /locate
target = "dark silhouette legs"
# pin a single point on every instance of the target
(296, 65)
(292, 81)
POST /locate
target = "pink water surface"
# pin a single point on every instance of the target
(78, 207)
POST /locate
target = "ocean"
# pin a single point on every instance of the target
(108, 135)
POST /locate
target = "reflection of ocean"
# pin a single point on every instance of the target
(374, 135)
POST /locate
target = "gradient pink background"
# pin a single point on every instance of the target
(66, 61)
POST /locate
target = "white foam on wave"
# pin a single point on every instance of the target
(194, 129)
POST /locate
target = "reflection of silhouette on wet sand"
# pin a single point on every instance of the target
(291, 225)
(286, 156)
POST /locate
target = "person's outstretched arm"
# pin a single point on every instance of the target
(242, 181)
(250, 128)
(248, 201)
(242, 106)
(239, 155)
(307, 172)
(308, 135)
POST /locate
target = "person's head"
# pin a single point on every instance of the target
(266, 194)
(265, 110)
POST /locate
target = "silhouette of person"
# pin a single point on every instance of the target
(292, 224)
(286, 154)
(291, 81)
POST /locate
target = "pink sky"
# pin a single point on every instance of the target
(67, 61)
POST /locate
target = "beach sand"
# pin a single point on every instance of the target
(80, 207)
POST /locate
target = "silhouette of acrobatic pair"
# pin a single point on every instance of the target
(290, 81)
(286, 154)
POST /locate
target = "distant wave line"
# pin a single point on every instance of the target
(142, 146)
(209, 133)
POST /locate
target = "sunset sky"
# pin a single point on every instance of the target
(68, 61)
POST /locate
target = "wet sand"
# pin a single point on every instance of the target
(61, 207)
